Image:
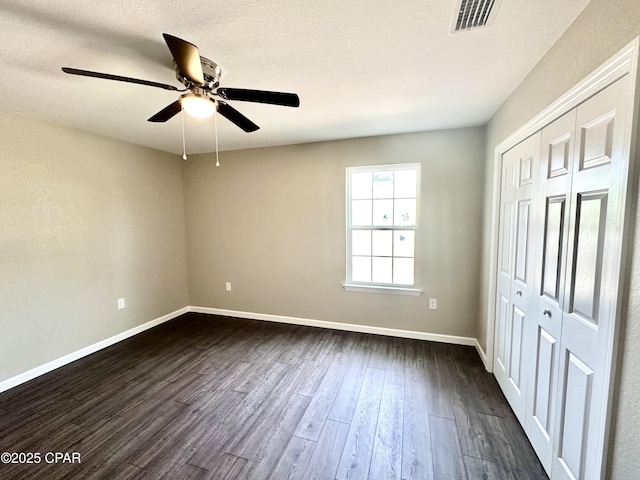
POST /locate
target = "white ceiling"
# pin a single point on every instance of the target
(360, 67)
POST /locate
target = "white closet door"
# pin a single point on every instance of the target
(596, 227)
(520, 166)
(549, 246)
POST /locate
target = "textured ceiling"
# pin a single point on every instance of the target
(360, 67)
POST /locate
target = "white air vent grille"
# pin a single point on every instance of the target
(473, 14)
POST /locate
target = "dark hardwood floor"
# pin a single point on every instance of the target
(204, 397)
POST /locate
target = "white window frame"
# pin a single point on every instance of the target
(393, 288)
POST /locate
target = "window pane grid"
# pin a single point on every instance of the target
(382, 198)
(381, 268)
(393, 272)
(381, 226)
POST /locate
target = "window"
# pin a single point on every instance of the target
(382, 223)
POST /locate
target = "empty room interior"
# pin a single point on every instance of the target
(295, 240)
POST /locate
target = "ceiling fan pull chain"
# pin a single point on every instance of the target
(215, 127)
(184, 149)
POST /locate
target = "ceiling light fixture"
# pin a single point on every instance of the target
(198, 106)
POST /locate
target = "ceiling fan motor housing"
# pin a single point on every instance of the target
(211, 72)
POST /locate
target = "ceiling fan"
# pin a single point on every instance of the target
(201, 78)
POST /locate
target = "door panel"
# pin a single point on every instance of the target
(517, 328)
(552, 248)
(507, 221)
(501, 330)
(574, 417)
(559, 155)
(526, 170)
(522, 240)
(544, 382)
(519, 171)
(597, 141)
(549, 244)
(594, 255)
(591, 212)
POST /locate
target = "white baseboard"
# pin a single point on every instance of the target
(349, 327)
(483, 355)
(72, 357)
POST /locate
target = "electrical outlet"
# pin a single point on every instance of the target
(120, 303)
(433, 304)
(228, 286)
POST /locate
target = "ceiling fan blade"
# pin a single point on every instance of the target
(260, 96)
(234, 116)
(167, 112)
(107, 76)
(187, 57)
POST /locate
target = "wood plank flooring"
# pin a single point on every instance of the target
(206, 397)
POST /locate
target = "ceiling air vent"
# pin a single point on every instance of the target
(473, 14)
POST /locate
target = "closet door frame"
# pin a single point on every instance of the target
(624, 62)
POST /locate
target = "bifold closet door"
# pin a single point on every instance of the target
(549, 244)
(519, 172)
(560, 246)
(591, 283)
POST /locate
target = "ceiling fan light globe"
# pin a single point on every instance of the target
(198, 106)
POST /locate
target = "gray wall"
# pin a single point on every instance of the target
(272, 222)
(85, 220)
(604, 27)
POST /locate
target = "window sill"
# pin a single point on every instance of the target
(380, 289)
